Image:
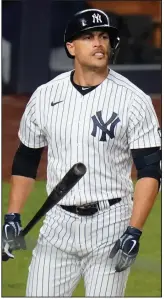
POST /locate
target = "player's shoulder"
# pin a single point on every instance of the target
(121, 80)
(55, 81)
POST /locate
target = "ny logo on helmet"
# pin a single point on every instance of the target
(96, 18)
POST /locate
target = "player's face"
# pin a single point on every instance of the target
(91, 49)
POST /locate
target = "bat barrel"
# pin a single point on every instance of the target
(69, 180)
(79, 169)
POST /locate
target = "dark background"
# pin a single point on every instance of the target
(32, 41)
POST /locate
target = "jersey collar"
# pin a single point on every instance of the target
(82, 89)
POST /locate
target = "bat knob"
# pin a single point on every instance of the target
(5, 257)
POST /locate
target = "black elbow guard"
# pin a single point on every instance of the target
(26, 161)
(147, 162)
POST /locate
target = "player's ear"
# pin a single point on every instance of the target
(70, 48)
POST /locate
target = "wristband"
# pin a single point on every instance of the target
(134, 231)
(12, 217)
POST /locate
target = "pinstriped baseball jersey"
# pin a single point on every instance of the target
(98, 128)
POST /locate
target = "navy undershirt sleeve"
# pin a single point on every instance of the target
(26, 161)
(150, 169)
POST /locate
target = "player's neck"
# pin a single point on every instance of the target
(85, 77)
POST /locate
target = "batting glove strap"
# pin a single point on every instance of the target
(127, 247)
(12, 226)
(134, 232)
(12, 217)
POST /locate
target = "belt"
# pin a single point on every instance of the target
(88, 209)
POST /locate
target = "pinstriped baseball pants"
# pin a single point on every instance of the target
(70, 247)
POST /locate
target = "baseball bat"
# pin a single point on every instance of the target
(70, 179)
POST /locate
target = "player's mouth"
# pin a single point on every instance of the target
(99, 54)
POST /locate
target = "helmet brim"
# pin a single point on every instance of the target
(112, 31)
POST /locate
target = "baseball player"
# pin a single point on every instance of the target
(95, 116)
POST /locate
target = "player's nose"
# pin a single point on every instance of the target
(96, 41)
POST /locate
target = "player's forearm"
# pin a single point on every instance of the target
(20, 189)
(145, 193)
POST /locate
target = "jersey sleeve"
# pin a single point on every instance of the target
(30, 131)
(143, 125)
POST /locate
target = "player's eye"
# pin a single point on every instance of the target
(87, 37)
(105, 36)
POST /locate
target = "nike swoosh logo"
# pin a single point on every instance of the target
(134, 244)
(84, 88)
(6, 230)
(55, 103)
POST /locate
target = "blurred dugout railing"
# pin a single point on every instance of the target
(32, 41)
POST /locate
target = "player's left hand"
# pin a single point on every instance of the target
(11, 236)
(128, 247)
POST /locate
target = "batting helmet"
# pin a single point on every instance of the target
(91, 19)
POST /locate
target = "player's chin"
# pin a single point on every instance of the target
(100, 62)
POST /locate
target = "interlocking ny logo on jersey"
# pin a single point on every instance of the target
(96, 18)
(99, 123)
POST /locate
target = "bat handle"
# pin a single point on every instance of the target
(28, 228)
(37, 217)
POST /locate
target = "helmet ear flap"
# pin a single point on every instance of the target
(117, 43)
(115, 50)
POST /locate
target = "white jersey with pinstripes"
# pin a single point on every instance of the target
(99, 129)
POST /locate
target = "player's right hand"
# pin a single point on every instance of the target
(11, 236)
